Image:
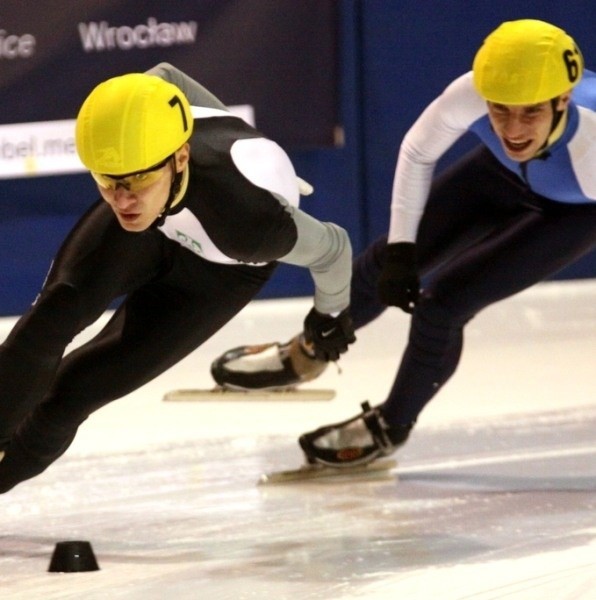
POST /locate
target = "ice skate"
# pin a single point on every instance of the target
(266, 367)
(380, 468)
(355, 442)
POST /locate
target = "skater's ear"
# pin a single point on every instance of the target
(182, 156)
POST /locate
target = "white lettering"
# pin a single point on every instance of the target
(91, 38)
(143, 35)
(16, 46)
(125, 38)
(40, 148)
(97, 37)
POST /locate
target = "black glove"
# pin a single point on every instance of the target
(398, 283)
(329, 336)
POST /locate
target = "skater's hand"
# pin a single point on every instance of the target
(327, 335)
(398, 283)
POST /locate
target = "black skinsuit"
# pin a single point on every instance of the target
(180, 284)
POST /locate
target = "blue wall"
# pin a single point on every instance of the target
(396, 56)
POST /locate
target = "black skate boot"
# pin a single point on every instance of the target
(266, 367)
(357, 441)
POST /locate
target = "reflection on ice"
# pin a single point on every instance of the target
(494, 496)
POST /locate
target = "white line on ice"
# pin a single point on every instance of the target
(490, 460)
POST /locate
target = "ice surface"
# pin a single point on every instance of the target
(494, 495)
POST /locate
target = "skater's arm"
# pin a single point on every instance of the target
(439, 126)
(325, 249)
(288, 234)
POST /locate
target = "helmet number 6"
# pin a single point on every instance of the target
(570, 58)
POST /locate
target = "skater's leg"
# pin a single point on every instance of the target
(505, 263)
(150, 332)
(508, 261)
(365, 305)
(97, 263)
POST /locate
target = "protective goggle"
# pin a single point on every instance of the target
(133, 182)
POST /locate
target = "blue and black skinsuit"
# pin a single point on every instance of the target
(485, 229)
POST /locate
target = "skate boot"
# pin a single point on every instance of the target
(267, 366)
(357, 441)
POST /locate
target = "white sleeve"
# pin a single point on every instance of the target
(266, 165)
(441, 124)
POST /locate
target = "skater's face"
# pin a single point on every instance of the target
(139, 199)
(524, 130)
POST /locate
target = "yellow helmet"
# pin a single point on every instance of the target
(131, 123)
(526, 62)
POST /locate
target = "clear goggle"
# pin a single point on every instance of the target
(133, 182)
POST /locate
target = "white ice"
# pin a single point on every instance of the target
(494, 495)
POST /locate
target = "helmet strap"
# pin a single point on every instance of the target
(174, 191)
(557, 115)
(556, 120)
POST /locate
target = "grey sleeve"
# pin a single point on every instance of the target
(196, 94)
(325, 249)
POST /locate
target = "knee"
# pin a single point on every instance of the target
(435, 326)
(441, 312)
(54, 318)
(17, 466)
(57, 299)
(51, 323)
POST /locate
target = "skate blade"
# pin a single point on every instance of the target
(309, 472)
(218, 394)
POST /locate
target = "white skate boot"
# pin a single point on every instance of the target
(357, 441)
(266, 367)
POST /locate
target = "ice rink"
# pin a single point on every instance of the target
(494, 495)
